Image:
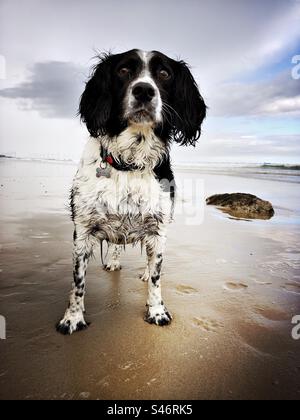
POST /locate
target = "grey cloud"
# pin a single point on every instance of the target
(278, 96)
(204, 33)
(220, 40)
(231, 35)
(53, 89)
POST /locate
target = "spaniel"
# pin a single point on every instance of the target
(134, 106)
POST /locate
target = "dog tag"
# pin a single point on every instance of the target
(103, 170)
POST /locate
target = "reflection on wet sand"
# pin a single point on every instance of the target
(233, 289)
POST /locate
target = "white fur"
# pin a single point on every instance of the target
(145, 193)
(114, 259)
(133, 206)
(121, 208)
(145, 77)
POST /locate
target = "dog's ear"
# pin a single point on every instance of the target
(96, 100)
(189, 106)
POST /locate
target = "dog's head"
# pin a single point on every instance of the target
(143, 88)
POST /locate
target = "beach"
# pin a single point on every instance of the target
(233, 287)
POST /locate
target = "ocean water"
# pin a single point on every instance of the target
(273, 172)
(34, 186)
(279, 172)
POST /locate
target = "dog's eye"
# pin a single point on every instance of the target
(124, 72)
(163, 74)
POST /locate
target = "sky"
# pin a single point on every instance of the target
(245, 56)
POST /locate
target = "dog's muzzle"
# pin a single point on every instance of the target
(143, 93)
(143, 104)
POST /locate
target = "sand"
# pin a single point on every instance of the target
(233, 287)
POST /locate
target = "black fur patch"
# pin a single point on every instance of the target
(155, 279)
(101, 105)
(72, 204)
(164, 174)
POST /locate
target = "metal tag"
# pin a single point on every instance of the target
(103, 171)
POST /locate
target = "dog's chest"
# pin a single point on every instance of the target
(127, 205)
(120, 192)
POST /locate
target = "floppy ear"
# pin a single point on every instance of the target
(189, 106)
(96, 100)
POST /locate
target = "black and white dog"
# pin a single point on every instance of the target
(134, 105)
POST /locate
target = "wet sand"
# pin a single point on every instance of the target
(232, 286)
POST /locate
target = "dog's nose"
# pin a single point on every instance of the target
(143, 92)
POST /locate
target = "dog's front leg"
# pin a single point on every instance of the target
(73, 319)
(157, 313)
(114, 259)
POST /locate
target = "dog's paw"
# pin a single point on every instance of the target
(145, 277)
(113, 266)
(158, 315)
(71, 323)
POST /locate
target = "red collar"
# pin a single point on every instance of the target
(118, 165)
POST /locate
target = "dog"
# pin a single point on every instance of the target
(134, 105)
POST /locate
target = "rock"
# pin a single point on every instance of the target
(242, 206)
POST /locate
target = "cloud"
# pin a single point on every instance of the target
(265, 146)
(283, 106)
(217, 46)
(227, 43)
(275, 97)
(53, 89)
(234, 148)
